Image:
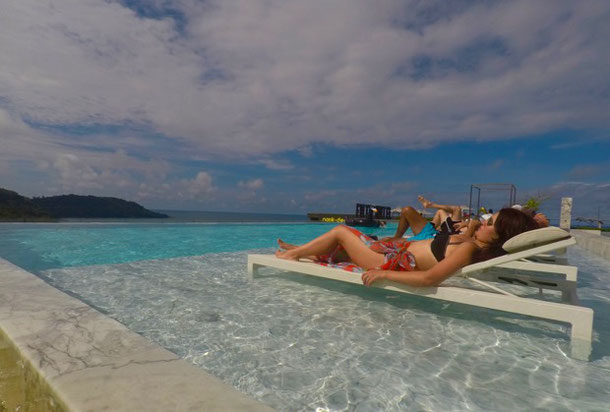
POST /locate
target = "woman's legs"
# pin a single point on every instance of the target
(359, 253)
(338, 256)
(439, 217)
(410, 217)
(454, 211)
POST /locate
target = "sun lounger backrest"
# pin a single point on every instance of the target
(534, 238)
(526, 245)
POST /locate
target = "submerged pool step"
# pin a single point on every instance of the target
(91, 362)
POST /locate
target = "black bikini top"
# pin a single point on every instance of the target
(438, 246)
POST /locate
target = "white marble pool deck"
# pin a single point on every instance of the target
(593, 241)
(93, 363)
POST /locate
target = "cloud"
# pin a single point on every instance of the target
(97, 97)
(342, 200)
(107, 173)
(253, 184)
(277, 164)
(201, 184)
(588, 199)
(306, 151)
(258, 77)
(567, 145)
(179, 192)
(75, 174)
(588, 171)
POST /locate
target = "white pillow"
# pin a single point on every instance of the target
(534, 238)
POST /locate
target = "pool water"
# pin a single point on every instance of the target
(300, 343)
(38, 247)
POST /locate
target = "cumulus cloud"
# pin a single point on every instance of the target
(180, 192)
(342, 200)
(589, 170)
(253, 184)
(108, 173)
(76, 174)
(47, 163)
(257, 77)
(113, 97)
(201, 184)
(277, 164)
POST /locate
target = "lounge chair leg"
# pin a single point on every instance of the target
(252, 270)
(571, 272)
(581, 336)
(570, 296)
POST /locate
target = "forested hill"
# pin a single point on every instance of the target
(14, 207)
(93, 207)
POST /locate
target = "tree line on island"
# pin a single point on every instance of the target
(14, 207)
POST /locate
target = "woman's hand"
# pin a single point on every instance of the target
(460, 225)
(389, 239)
(373, 275)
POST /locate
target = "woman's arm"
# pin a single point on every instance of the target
(461, 257)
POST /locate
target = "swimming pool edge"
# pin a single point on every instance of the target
(592, 241)
(91, 362)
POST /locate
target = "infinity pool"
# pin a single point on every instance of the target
(298, 343)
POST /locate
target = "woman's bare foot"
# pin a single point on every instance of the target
(285, 246)
(287, 255)
(425, 202)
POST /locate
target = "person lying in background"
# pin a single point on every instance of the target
(448, 218)
(445, 219)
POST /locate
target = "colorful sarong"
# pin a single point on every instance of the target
(397, 257)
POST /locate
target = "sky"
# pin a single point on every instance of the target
(295, 106)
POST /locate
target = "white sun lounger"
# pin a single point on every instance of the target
(521, 249)
(492, 297)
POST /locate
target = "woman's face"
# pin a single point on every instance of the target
(486, 232)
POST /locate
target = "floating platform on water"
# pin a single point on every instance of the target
(362, 221)
(328, 217)
(366, 215)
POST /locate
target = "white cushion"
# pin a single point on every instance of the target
(534, 238)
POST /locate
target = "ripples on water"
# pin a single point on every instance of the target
(299, 343)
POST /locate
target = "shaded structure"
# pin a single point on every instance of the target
(475, 194)
(369, 215)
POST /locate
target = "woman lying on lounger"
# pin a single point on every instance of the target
(421, 263)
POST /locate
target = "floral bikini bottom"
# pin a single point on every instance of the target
(397, 257)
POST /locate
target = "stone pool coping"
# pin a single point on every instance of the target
(93, 363)
(593, 241)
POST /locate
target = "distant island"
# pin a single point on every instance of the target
(14, 207)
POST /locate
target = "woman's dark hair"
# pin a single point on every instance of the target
(509, 223)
